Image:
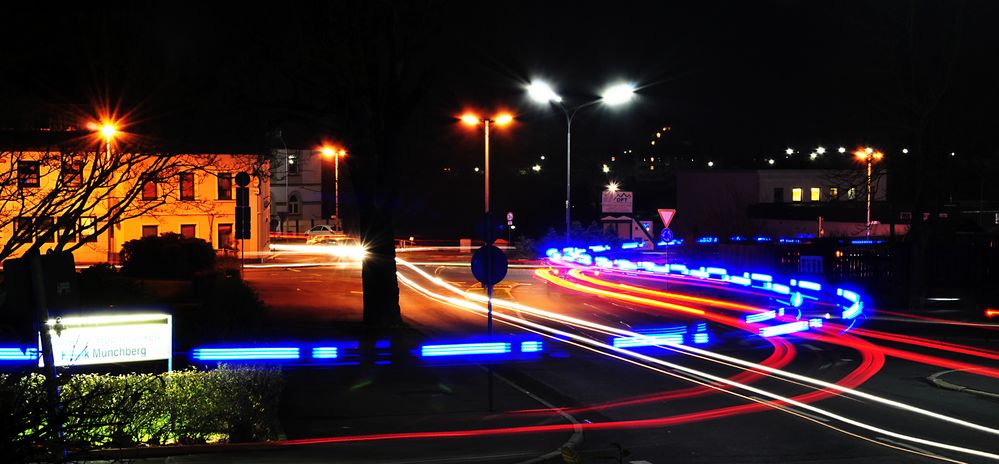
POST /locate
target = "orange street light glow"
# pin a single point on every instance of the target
(470, 119)
(503, 119)
(108, 130)
(328, 152)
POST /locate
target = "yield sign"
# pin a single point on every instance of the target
(667, 215)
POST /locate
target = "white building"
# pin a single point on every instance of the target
(297, 190)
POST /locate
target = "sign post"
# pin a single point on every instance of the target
(243, 215)
(489, 266)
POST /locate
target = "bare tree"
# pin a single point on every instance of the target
(66, 198)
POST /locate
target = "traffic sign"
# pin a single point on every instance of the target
(666, 235)
(667, 216)
(489, 265)
(242, 179)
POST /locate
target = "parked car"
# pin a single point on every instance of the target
(321, 230)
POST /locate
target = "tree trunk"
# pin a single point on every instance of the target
(381, 288)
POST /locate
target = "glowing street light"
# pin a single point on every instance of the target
(789, 151)
(108, 130)
(501, 120)
(820, 150)
(542, 92)
(612, 187)
(841, 149)
(869, 156)
(330, 152)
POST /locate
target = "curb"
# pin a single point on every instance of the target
(937, 381)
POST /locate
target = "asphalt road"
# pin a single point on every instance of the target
(656, 413)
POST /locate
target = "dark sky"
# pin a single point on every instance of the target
(737, 81)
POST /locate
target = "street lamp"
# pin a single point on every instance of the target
(329, 152)
(108, 130)
(542, 92)
(869, 156)
(500, 120)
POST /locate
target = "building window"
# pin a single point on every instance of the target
(816, 194)
(47, 229)
(149, 190)
(150, 231)
(72, 173)
(833, 193)
(23, 232)
(27, 174)
(294, 205)
(796, 194)
(225, 185)
(68, 226)
(188, 231)
(851, 194)
(187, 186)
(225, 237)
(88, 229)
(778, 194)
(292, 161)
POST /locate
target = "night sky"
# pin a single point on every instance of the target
(736, 81)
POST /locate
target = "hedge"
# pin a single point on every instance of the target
(228, 404)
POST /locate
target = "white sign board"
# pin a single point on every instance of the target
(616, 202)
(79, 341)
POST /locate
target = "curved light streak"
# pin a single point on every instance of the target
(758, 391)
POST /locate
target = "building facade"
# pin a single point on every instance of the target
(782, 203)
(95, 202)
(301, 182)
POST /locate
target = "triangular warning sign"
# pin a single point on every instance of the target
(667, 215)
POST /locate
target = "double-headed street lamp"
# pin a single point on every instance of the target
(543, 93)
(330, 152)
(473, 120)
(870, 156)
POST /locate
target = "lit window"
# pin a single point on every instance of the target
(225, 185)
(88, 229)
(72, 173)
(27, 174)
(816, 194)
(852, 193)
(833, 193)
(187, 186)
(149, 190)
(796, 194)
(225, 237)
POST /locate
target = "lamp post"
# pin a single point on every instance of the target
(108, 131)
(329, 152)
(869, 156)
(543, 93)
(500, 120)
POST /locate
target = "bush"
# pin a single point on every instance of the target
(168, 256)
(101, 410)
(103, 285)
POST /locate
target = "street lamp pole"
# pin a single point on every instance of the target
(108, 130)
(542, 92)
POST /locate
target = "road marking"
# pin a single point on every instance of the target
(640, 462)
(825, 366)
(810, 347)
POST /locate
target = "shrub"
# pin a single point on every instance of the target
(102, 410)
(168, 256)
(103, 285)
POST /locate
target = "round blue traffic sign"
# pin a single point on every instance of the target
(489, 265)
